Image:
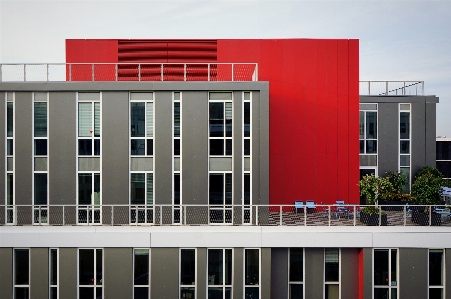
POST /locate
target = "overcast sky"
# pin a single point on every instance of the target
(399, 40)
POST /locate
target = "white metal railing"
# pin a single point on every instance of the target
(257, 215)
(11, 72)
(392, 88)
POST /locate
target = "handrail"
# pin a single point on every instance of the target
(257, 215)
(390, 88)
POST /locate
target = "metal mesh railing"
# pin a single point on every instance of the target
(392, 88)
(257, 215)
(35, 72)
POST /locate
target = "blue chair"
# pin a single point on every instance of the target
(310, 205)
(298, 205)
(341, 209)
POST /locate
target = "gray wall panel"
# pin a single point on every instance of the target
(238, 272)
(237, 146)
(413, 273)
(431, 115)
(62, 159)
(23, 121)
(367, 273)
(201, 281)
(164, 273)
(195, 147)
(39, 268)
(279, 272)
(265, 287)
(118, 277)
(6, 277)
(264, 144)
(2, 144)
(349, 272)
(68, 273)
(388, 124)
(418, 135)
(314, 272)
(163, 148)
(255, 158)
(114, 151)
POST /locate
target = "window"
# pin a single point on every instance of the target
(10, 219)
(219, 271)
(296, 273)
(53, 273)
(40, 144)
(21, 273)
(177, 140)
(385, 274)
(246, 157)
(188, 273)
(141, 123)
(368, 129)
(251, 273)
(89, 198)
(141, 198)
(436, 273)
(404, 143)
(90, 270)
(332, 273)
(220, 197)
(89, 124)
(141, 270)
(220, 123)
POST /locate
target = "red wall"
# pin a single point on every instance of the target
(314, 110)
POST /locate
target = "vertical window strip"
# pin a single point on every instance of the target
(436, 273)
(187, 275)
(296, 273)
(404, 143)
(84, 119)
(177, 143)
(246, 160)
(141, 198)
(385, 273)
(89, 198)
(141, 273)
(53, 273)
(149, 121)
(220, 273)
(90, 273)
(252, 273)
(9, 198)
(332, 273)
(21, 270)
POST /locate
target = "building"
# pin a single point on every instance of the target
(443, 156)
(169, 169)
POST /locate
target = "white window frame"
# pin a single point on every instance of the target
(259, 271)
(224, 138)
(93, 138)
(409, 179)
(14, 272)
(177, 209)
(141, 285)
(443, 272)
(247, 209)
(194, 286)
(303, 273)
(94, 285)
(364, 132)
(92, 208)
(57, 273)
(151, 100)
(148, 210)
(226, 208)
(389, 286)
(223, 286)
(339, 275)
(10, 209)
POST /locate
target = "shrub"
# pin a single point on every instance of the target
(427, 186)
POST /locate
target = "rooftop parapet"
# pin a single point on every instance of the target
(392, 88)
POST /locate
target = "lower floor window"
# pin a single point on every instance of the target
(89, 198)
(436, 273)
(385, 273)
(188, 273)
(90, 271)
(332, 273)
(141, 270)
(21, 273)
(251, 273)
(219, 274)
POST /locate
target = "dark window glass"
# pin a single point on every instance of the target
(9, 120)
(176, 147)
(141, 293)
(404, 147)
(251, 292)
(149, 147)
(188, 267)
(188, 293)
(331, 268)
(84, 188)
(99, 267)
(216, 189)
(228, 147)
(176, 188)
(53, 267)
(84, 147)
(96, 188)
(228, 114)
(247, 119)
(443, 150)
(141, 271)
(296, 264)
(247, 188)
(40, 119)
(362, 146)
(362, 125)
(371, 146)
(86, 293)
(252, 267)
(435, 267)
(40, 147)
(296, 291)
(216, 147)
(371, 125)
(216, 119)
(445, 168)
(86, 267)
(21, 267)
(40, 188)
(404, 125)
(228, 188)
(215, 267)
(137, 146)
(176, 119)
(53, 293)
(137, 189)
(247, 147)
(435, 293)
(96, 147)
(9, 188)
(10, 147)
(381, 293)
(137, 119)
(380, 268)
(228, 267)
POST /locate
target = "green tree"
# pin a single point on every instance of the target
(427, 186)
(375, 188)
(397, 179)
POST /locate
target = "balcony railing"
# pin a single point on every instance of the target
(257, 215)
(392, 88)
(34, 72)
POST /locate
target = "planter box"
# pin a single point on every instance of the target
(423, 219)
(372, 219)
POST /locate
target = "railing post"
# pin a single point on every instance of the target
(208, 214)
(184, 215)
(1, 66)
(430, 215)
(386, 88)
(117, 71)
(280, 211)
(92, 72)
(162, 72)
(64, 215)
(369, 88)
(355, 214)
(208, 69)
(139, 72)
(184, 72)
(70, 72)
(39, 215)
(233, 73)
(256, 215)
(256, 72)
(112, 215)
(405, 215)
(305, 216)
(47, 71)
(24, 72)
(329, 208)
(404, 89)
(380, 216)
(422, 88)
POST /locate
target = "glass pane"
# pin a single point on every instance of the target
(86, 293)
(40, 119)
(96, 188)
(176, 119)
(85, 147)
(141, 268)
(99, 262)
(215, 268)
(228, 116)
(406, 171)
(247, 147)
(187, 267)
(21, 267)
(380, 267)
(176, 147)
(404, 147)
(393, 268)
(296, 264)
(247, 189)
(176, 188)
(404, 160)
(252, 293)
(53, 293)
(404, 107)
(404, 125)
(10, 147)
(40, 147)
(247, 119)
(176, 96)
(371, 146)
(10, 189)
(149, 114)
(187, 293)
(381, 293)
(216, 120)
(331, 267)
(436, 267)
(149, 147)
(296, 291)
(215, 293)
(435, 293)
(141, 293)
(371, 125)
(362, 125)
(228, 147)
(53, 267)
(137, 119)
(217, 147)
(9, 119)
(368, 106)
(85, 128)
(137, 189)
(252, 267)
(96, 119)
(86, 267)
(216, 189)
(137, 147)
(96, 147)
(332, 291)
(362, 146)
(84, 188)
(394, 293)
(150, 188)
(228, 188)
(21, 293)
(228, 266)
(40, 188)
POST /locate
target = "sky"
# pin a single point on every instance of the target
(399, 40)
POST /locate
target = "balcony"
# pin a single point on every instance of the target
(392, 88)
(224, 215)
(85, 72)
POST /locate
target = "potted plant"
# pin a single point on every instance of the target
(396, 199)
(374, 188)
